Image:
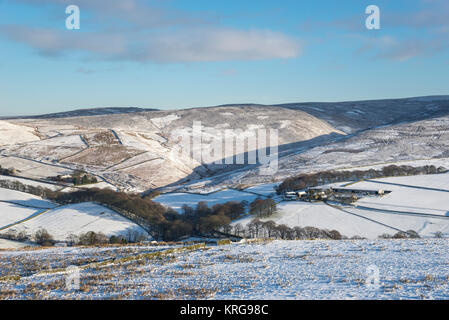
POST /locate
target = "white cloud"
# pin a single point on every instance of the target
(219, 44)
(137, 30)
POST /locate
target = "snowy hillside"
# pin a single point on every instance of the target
(12, 213)
(428, 194)
(11, 133)
(8, 244)
(418, 143)
(403, 269)
(136, 149)
(419, 203)
(24, 199)
(80, 218)
(23, 212)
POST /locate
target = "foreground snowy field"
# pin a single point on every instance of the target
(407, 269)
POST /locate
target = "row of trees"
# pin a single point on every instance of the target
(204, 219)
(269, 229)
(409, 234)
(16, 185)
(303, 181)
(44, 238)
(262, 208)
(254, 229)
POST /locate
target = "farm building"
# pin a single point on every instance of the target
(331, 193)
(365, 192)
(294, 195)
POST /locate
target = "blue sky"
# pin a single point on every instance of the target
(171, 54)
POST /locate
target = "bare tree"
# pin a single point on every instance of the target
(270, 227)
(284, 231)
(43, 238)
(72, 239)
(254, 227)
(237, 229)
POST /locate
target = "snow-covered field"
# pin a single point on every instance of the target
(33, 183)
(177, 200)
(9, 244)
(12, 213)
(99, 185)
(24, 199)
(424, 226)
(80, 218)
(265, 189)
(24, 212)
(13, 133)
(320, 215)
(33, 169)
(423, 194)
(361, 269)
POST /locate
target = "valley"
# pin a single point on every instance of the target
(132, 150)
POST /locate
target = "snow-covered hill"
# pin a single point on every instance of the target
(78, 219)
(15, 134)
(134, 149)
(20, 212)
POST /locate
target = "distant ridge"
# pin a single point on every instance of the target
(84, 113)
(287, 104)
(293, 105)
